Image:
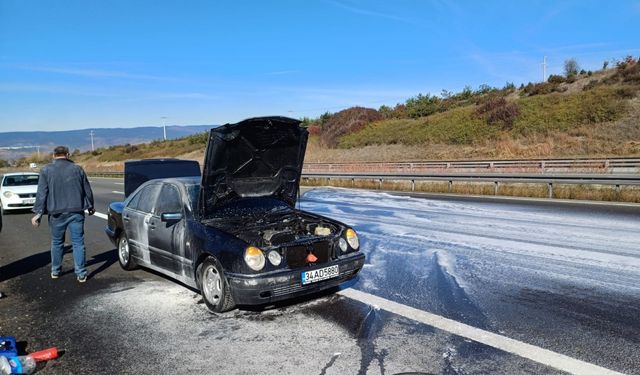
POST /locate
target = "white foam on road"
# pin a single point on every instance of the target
(524, 350)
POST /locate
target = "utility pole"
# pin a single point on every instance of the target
(91, 133)
(544, 69)
(164, 126)
(38, 148)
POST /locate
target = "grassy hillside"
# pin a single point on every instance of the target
(537, 115)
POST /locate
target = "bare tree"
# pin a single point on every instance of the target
(571, 67)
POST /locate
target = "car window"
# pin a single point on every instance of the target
(168, 200)
(133, 202)
(145, 199)
(21, 180)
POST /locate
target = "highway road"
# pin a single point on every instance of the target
(451, 286)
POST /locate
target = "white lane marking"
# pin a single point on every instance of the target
(117, 192)
(522, 349)
(528, 351)
(119, 183)
(101, 215)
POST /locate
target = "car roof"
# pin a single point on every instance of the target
(20, 174)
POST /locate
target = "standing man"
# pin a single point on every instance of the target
(64, 193)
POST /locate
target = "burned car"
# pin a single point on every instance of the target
(235, 233)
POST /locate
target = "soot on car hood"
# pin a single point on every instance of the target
(258, 157)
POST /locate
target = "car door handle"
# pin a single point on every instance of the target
(125, 218)
(152, 225)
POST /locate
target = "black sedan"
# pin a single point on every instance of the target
(235, 233)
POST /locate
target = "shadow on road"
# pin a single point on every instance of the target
(107, 259)
(39, 260)
(25, 265)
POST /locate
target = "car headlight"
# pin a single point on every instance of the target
(274, 257)
(352, 239)
(254, 258)
(8, 194)
(343, 244)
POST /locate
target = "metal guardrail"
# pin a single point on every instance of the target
(617, 180)
(592, 165)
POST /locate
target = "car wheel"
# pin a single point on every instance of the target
(124, 254)
(214, 287)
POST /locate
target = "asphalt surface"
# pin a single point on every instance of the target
(560, 278)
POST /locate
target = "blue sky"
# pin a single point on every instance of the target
(71, 64)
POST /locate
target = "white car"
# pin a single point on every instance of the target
(18, 190)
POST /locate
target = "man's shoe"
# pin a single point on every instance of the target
(82, 279)
(54, 275)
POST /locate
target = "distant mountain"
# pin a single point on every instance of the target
(81, 139)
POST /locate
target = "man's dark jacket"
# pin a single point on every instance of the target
(63, 187)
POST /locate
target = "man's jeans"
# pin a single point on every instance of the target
(58, 225)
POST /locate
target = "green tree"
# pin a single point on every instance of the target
(422, 105)
(571, 67)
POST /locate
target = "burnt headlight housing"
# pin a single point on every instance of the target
(274, 257)
(342, 244)
(352, 239)
(254, 258)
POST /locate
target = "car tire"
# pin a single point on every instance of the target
(214, 287)
(124, 254)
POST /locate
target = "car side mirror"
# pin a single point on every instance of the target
(171, 216)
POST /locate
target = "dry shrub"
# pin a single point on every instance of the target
(498, 110)
(314, 130)
(345, 122)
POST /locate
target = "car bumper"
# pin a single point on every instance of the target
(112, 235)
(17, 203)
(258, 290)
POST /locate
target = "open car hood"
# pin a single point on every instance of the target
(258, 157)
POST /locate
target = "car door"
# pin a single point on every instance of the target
(136, 217)
(165, 237)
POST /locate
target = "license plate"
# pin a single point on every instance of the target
(29, 201)
(309, 277)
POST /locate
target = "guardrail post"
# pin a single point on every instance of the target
(450, 186)
(353, 182)
(542, 166)
(495, 188)
(550, 189)
(413, 185)
(380, 186)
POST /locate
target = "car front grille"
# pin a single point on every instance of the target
(297, 287)
(296, 256)
(29, 195)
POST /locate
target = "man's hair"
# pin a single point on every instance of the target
(60, 151)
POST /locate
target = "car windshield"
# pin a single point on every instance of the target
(20, 180)
(193, 191)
